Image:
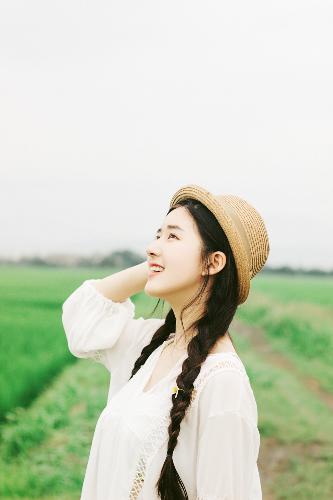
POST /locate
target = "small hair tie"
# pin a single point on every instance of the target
(175, 390)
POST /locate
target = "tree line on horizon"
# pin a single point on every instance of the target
(122, 259)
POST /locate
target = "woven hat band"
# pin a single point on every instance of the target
(240, 229)
(252, 228)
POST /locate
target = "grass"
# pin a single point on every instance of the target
(46, 437)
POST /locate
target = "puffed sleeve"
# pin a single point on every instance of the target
(227, 441)
(106, 331)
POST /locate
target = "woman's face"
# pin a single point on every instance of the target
(178, 250)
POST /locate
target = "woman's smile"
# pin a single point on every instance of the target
(154, 273)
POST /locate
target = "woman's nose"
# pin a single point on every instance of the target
(152, 249)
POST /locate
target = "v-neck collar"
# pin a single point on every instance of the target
(156, 357)
(153, 364)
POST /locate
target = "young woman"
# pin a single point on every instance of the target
(181, 418)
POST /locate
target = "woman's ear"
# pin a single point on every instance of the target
(217, 262)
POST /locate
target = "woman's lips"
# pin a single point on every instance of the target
(154, 273)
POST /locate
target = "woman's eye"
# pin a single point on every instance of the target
(171, 234)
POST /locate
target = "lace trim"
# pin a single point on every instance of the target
(152, 443)
(222, 364)
(97, 356)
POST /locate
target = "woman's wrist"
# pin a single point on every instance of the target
(125, 283)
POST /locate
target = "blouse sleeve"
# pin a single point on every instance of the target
(99, 328)
(227, 448)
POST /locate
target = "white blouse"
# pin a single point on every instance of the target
(218, 443)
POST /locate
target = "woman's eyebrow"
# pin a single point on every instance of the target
(170, 226)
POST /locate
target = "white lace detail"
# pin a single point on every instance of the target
(97, 356)
(229, 364)
(154, 440)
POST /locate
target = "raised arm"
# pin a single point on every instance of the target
(99, 319)
(123, 284)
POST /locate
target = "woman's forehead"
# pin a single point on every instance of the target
(179, 217)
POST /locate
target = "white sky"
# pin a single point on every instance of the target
(107, 108)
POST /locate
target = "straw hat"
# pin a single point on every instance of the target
(243, 226)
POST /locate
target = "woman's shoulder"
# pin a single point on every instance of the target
(223, 385)
(219, 369)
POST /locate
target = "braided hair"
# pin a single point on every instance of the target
(219, 311)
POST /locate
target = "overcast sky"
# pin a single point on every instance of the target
(107, 108)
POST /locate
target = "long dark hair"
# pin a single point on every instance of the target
(213, 325)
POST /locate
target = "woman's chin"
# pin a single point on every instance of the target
(153, 290)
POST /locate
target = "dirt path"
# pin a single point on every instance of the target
(274, 459)
(273, 456)
(260, 344)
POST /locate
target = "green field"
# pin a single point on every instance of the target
(50, 401)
